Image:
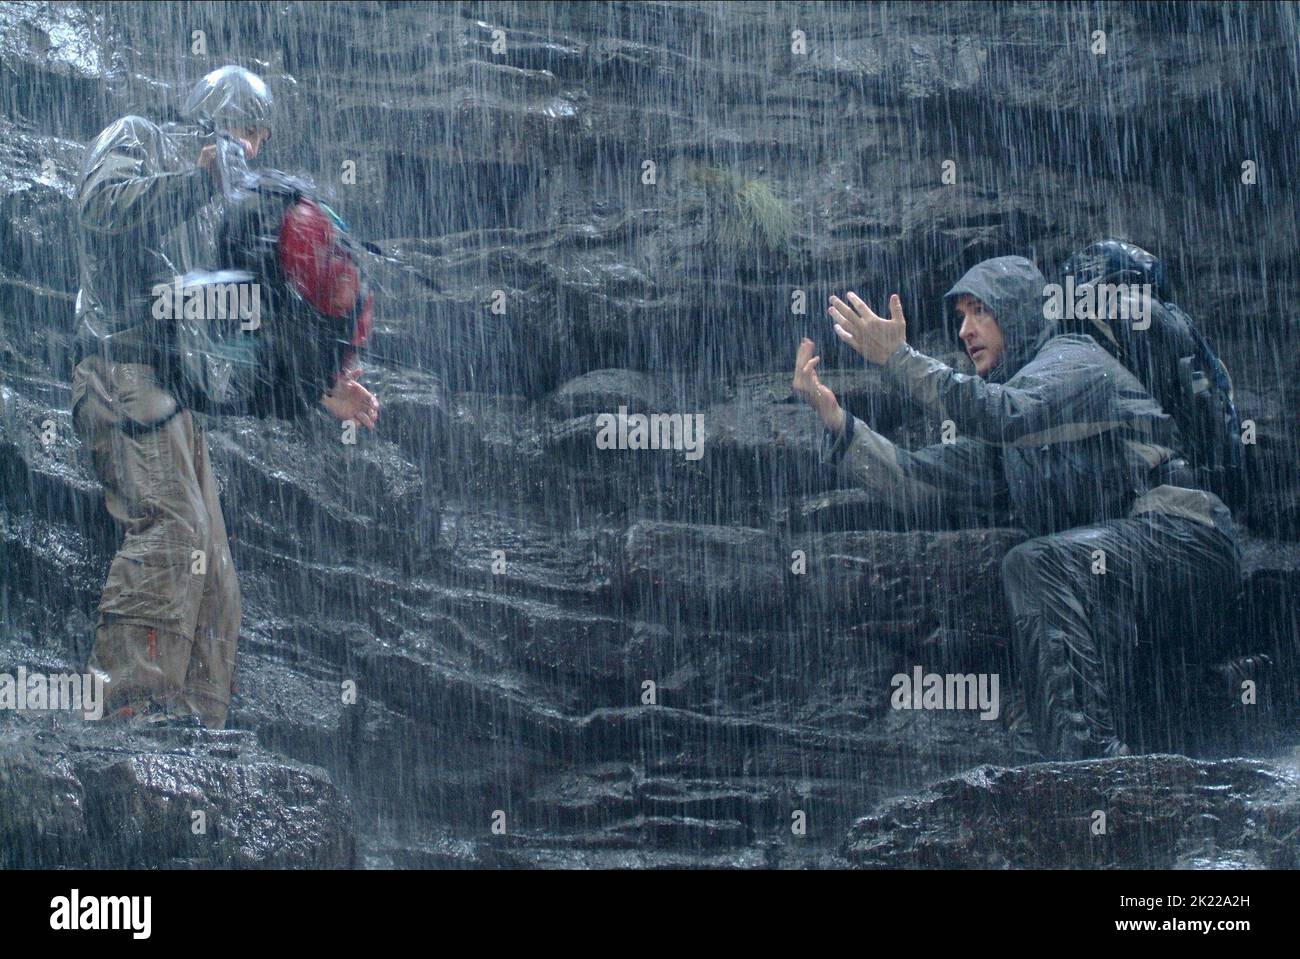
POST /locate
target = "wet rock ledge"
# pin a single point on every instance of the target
(1149, 812)
(73, 795)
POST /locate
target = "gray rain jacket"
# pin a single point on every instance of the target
(147, 214)
(1060, 431)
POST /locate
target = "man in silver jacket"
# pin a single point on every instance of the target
(147, 204)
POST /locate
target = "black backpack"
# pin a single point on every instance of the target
(211, 350)
(278, 360)
(1171, 358)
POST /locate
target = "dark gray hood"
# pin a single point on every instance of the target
(1012, 288)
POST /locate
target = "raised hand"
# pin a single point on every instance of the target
(872, 336)
(808, 386)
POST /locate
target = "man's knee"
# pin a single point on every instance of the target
(159, 571)
(1017, 562)
(178, 511)
(1022, 568)
(181, 538)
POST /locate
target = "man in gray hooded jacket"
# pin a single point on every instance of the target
(1114, 597)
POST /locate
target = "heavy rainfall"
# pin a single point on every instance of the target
(412, 451)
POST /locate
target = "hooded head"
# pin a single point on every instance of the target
(230, 98)
(1011, 287)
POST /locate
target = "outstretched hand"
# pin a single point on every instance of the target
(349, 400)
(808, 386)
(873, 336)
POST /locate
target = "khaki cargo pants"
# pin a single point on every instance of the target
(169, 616)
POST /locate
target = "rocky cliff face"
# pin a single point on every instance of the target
(634, 657)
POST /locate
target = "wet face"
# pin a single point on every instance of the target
(980, 333)
(253, 138)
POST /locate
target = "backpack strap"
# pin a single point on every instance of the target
(1222, 382)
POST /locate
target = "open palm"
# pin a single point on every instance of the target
(875, 337)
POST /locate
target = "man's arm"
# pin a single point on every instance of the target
(121, 190)
(966, 470)
(1062, 394)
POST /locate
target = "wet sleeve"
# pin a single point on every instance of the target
(299, 384)
(292, 402)
(964, 470)
(122, 193)
(1062, 394)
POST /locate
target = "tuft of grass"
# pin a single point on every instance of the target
(744, 212)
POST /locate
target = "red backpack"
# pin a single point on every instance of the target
(319, 265)
(315, 308)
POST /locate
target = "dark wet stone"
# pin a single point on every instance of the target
(92, 797)
(1160, 812)
(604, 391)
(728, 576)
